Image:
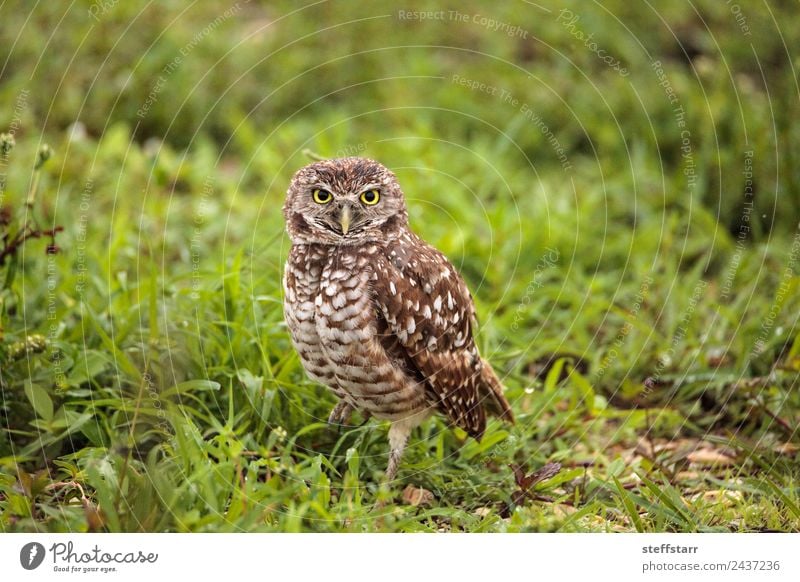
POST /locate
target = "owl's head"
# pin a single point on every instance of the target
(344, 201)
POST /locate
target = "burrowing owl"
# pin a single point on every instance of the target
(376, 314)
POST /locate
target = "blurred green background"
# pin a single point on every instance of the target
(251, 76)
(617, 182)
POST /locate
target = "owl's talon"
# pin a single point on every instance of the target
(340, 414)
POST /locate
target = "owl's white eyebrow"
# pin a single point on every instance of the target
(323, 186)
(368, 187)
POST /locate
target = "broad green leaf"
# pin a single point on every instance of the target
(40, 400)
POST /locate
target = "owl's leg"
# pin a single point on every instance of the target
(398, 437)
(341, 413)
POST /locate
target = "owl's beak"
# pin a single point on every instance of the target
(345, 217)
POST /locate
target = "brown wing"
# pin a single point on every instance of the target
(429, 316)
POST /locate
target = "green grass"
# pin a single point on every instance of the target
(645, 347)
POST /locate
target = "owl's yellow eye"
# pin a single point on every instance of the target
(370, 197)
(322, 196)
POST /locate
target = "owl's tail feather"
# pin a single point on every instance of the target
(493, 397)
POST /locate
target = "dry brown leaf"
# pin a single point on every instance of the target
(417, 496)
(482, 511)
(717, 357)
(651, 447)
(724, 496)
(562, 510)
(687, 475)
(94, 517)
(710, 457)
(786, 449)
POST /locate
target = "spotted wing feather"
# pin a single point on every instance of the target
(429, 316)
